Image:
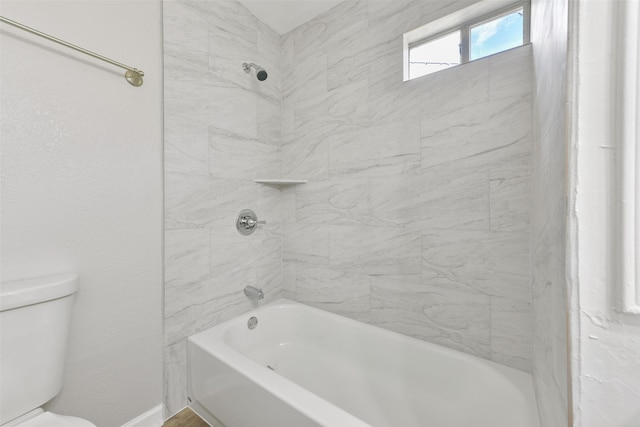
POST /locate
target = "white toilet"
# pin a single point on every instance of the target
(34, 327)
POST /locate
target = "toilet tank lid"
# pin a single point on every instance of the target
(23, 292)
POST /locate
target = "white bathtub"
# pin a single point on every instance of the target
(327, 370)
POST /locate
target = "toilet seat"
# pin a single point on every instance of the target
(49, 419)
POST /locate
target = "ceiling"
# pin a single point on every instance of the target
(285, 15)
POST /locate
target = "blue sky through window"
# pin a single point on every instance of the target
(501, 32)
(497, 35)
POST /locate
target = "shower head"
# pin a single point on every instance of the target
(261, 74)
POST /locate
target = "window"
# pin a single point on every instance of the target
(496, 34)
(472, 33)
(434, 55)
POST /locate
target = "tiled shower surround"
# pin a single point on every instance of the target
(416, 214)
(549, 288)
(222, 130)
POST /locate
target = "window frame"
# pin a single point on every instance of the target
(626, 80)
(464, 21)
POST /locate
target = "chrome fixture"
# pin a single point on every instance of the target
(247, 222)
(252, 323)
(133, 75)
(261, 74)
(253, 293)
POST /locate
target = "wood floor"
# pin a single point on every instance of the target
(185, 418)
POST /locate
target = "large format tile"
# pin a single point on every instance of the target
(175, 377)
(311, 37)
(235, 111)
(227, 52)
(343, 64)
(308, 75)
(233, 260)
(484, 262)
(337, 110)
(388, 20)
(269, 123)
(511, 73)
(510, 201)
(206, 311)
(448, 317)
(450, 196)
(268, 259)
(268, 203)
(306, 243)
(340, 292)
(228, 197)
(186, 267)
(185, 42)
(236, 157)
(289, 272)
(187, 200)
(268, 57)
(511, 333)
(376, 151)
(194, 201)
(376, 251)
(237, 260)
(184, 28)
(288, 204)
(436, 9)
(233, 36)
(305, 159)
(185, 146)
(287, 61)
(333, 202)
(475, 131)
(198, 99)
(392, 100)
(510, 180)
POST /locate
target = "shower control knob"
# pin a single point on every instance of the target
(247, 222)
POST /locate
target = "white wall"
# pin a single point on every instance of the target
(606, 344)
(82, 190)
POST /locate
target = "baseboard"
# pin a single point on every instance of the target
(152, 418)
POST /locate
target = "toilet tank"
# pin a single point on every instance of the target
(35, 315)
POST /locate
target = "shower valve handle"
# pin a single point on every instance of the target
(247, 222)
(250, 223)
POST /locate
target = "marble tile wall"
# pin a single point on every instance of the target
(222, 130)
(416, 216)
(549, 29)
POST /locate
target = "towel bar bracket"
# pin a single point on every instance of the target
(133, 75)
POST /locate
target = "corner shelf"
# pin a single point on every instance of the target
(280, 181)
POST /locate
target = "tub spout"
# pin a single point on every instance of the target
(253, 293)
